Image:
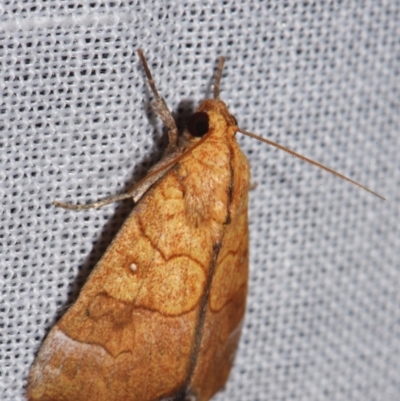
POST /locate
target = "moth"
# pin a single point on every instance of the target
(161, 314)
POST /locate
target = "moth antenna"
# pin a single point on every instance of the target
(306, 159)
(218, 77)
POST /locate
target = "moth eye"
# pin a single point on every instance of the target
(198, 124)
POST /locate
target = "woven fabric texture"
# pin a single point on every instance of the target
(322, 78)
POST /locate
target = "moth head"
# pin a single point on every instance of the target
(212, 117)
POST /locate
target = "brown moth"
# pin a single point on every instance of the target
(161, 314)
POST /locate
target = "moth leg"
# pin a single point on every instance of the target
(161, 108)
(94, 205)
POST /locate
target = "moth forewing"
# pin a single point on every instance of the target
(169, 327)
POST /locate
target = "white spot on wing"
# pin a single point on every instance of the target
(133, 267)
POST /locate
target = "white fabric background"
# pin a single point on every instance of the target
(323, 78)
